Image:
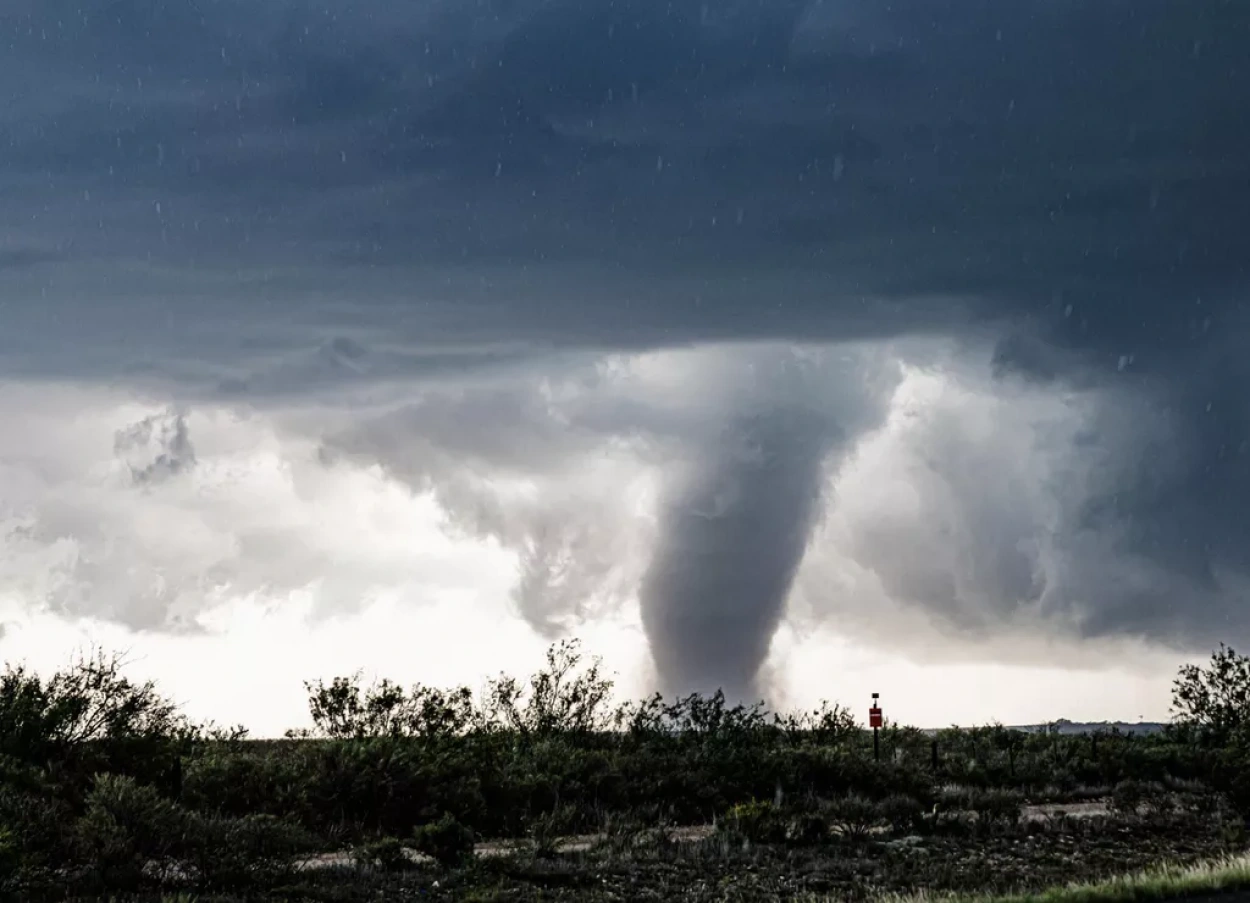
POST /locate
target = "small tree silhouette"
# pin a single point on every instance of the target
(1213, 701)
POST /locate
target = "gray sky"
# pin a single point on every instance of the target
(915, 325)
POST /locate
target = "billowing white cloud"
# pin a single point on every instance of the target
(949, 503)
(987, 508)
(256, 515)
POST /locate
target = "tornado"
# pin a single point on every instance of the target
(733, 530)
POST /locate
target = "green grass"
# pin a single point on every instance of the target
(1166, 882)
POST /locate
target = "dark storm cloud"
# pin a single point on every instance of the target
(282, 198)
(1002, 152)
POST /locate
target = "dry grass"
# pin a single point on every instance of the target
(1166, 882)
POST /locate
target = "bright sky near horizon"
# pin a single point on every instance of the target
(251, 672)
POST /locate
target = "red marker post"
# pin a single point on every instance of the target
(875, 721)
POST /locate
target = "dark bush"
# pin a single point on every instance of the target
(386, 853)
(855, 816)
(546, 829)
(758, 822)
(807, 829)
(1127, 797)
(903, 814)
(995, 808)
(226, 852)
(1232, 778)
(127, 825)
(88, 719)
(239, 782)
(34, 819)
(446, 841)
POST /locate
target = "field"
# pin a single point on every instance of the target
(541, 790)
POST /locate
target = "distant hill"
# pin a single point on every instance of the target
(1063, 726)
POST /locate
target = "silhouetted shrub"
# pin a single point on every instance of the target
(386, 853)
(90, 718)
(127, 825)
(855, 816)
(807, 829)
(995, 807)
(903, 814)
(446, 841)
(33, 816)
(231, 852)
(758, 822)
(1127, 797)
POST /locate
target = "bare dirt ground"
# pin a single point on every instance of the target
(579, 843)
(689, 834)
(1072, 810)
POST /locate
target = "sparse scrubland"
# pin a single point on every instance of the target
(542, 790)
